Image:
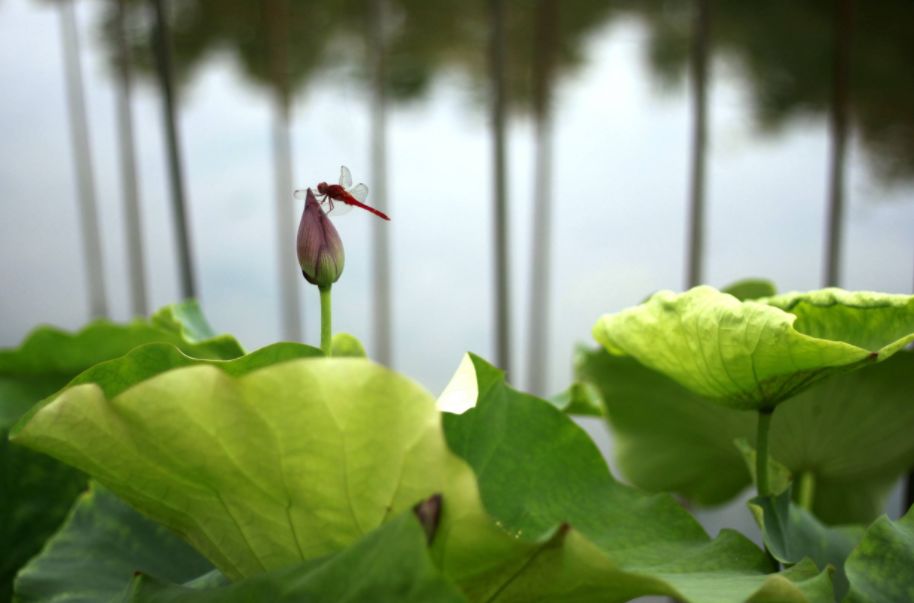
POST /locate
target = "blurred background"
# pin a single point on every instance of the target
(543, 162)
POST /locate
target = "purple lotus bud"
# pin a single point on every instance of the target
(320, 250)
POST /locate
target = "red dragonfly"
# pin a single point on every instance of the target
(344, 194)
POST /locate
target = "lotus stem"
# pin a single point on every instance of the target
(761, 452)
(326, 319)
(806, 490)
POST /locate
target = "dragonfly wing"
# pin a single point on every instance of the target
(345, 177)
(334, 207)
(359, 192)
(301, 194)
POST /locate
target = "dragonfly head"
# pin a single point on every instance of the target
(322, 188)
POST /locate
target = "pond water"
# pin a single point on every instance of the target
(621, 122)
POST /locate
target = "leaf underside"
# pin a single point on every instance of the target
(755, 354)
(851, 433)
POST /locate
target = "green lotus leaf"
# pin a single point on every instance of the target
(38, 491)
(259, 469)
(881, 568)
(543, 480)
(147, 361)
(186, 320)
(851, 433)
(581, 399)
(665, 437)
(50, 357)
(879, 323)
(106, 551)
(94, 555)
(753, 355)
(751, 288)
(257, 485)
(389, 564)
(346, 345)
(792, 533)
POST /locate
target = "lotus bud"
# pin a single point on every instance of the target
(320, 250)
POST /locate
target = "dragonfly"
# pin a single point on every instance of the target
(340, 198)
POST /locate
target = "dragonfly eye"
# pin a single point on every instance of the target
(322, 188)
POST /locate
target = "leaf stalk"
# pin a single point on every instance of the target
(806, 494)
(326, 320)
(761, 452)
